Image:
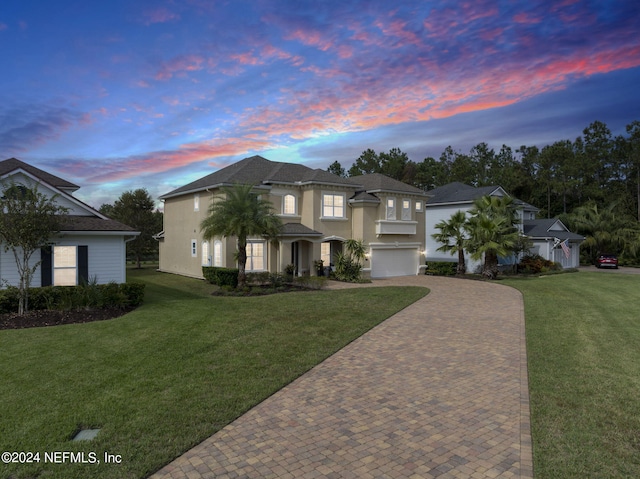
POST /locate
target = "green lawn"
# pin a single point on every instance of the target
(583, 343)
(163, 378)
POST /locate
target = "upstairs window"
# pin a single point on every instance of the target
(406, 210)
(391, 208)
(196, 202)
(418, 206)
(289, 205)
(332, 205)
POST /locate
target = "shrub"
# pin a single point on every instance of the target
(442, 268)
(84, 296)
(221, 276)
(534, 264)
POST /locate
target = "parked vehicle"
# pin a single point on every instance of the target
(607, 261)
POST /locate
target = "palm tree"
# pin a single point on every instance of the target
(605, 230)
(492, 231)
(452, 235)
(241, 214)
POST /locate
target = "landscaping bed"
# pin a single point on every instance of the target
(41, 318)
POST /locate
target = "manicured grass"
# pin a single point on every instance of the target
(163, 378)
(583, 344)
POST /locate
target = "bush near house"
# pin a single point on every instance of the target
(221, 276)
(86, 296)
(534, 264)
(442, 268)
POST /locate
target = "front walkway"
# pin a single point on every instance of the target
(437, 390)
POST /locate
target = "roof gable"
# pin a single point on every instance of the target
(12, 165)
(549, 227)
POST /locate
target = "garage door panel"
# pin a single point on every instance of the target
(393, 262)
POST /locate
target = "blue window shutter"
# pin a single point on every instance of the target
(46, 266)
(83, 264)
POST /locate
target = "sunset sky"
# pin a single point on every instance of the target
(117, 95)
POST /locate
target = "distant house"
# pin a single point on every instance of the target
(548, 236)
(319, 212)
(89, 245)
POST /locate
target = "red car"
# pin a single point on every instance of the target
(607, 261)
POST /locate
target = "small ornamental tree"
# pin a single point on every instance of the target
(28, 220)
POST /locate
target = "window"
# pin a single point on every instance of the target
(65, 266)
(206, 259)
(289, 205)
(332, 206)
(217, 253)
(196, 202)
(406, 210)
(194, 248)
(418, 206)
(255, 256)
(391, 208)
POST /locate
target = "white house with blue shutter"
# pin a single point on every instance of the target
(89, 246)
(550, 238)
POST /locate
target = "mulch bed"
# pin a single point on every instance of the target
(37, 319)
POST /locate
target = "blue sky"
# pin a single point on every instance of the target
(121, 95)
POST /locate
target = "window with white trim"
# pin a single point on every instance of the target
(194, 248)
(289, 205)
(418, 205)
(332, 205)
(206, 259)
(255, 256)
(406, 210)
(65, 265)
(196, 202)
(391, 208)
(217, 253)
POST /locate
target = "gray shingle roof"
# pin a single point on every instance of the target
(92, 223)
(257, 170)
(376, 182)
(458, 193)
(297, 229)
(541, 229)
(12, 164)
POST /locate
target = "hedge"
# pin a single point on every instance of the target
(221, 276)
(86, 296)
(442, 268)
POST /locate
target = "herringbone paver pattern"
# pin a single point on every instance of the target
(437, 390)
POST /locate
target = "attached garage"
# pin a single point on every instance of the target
(394, 261)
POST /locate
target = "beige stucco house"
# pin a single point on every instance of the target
(319, 211)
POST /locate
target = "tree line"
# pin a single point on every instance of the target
(595, 167)
(590, 182)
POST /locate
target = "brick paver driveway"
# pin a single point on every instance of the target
(437, 390)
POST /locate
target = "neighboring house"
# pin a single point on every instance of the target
(319, 211)
(89, 245)
(547, 236)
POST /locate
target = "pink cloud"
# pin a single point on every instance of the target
(159, 15)
(180, 65)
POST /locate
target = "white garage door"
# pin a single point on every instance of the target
(394, 262)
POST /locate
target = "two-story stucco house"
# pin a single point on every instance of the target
(551, 239)
(89, 245)
(319, 211)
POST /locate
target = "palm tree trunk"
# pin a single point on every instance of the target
(242, 263)
(462, 267)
